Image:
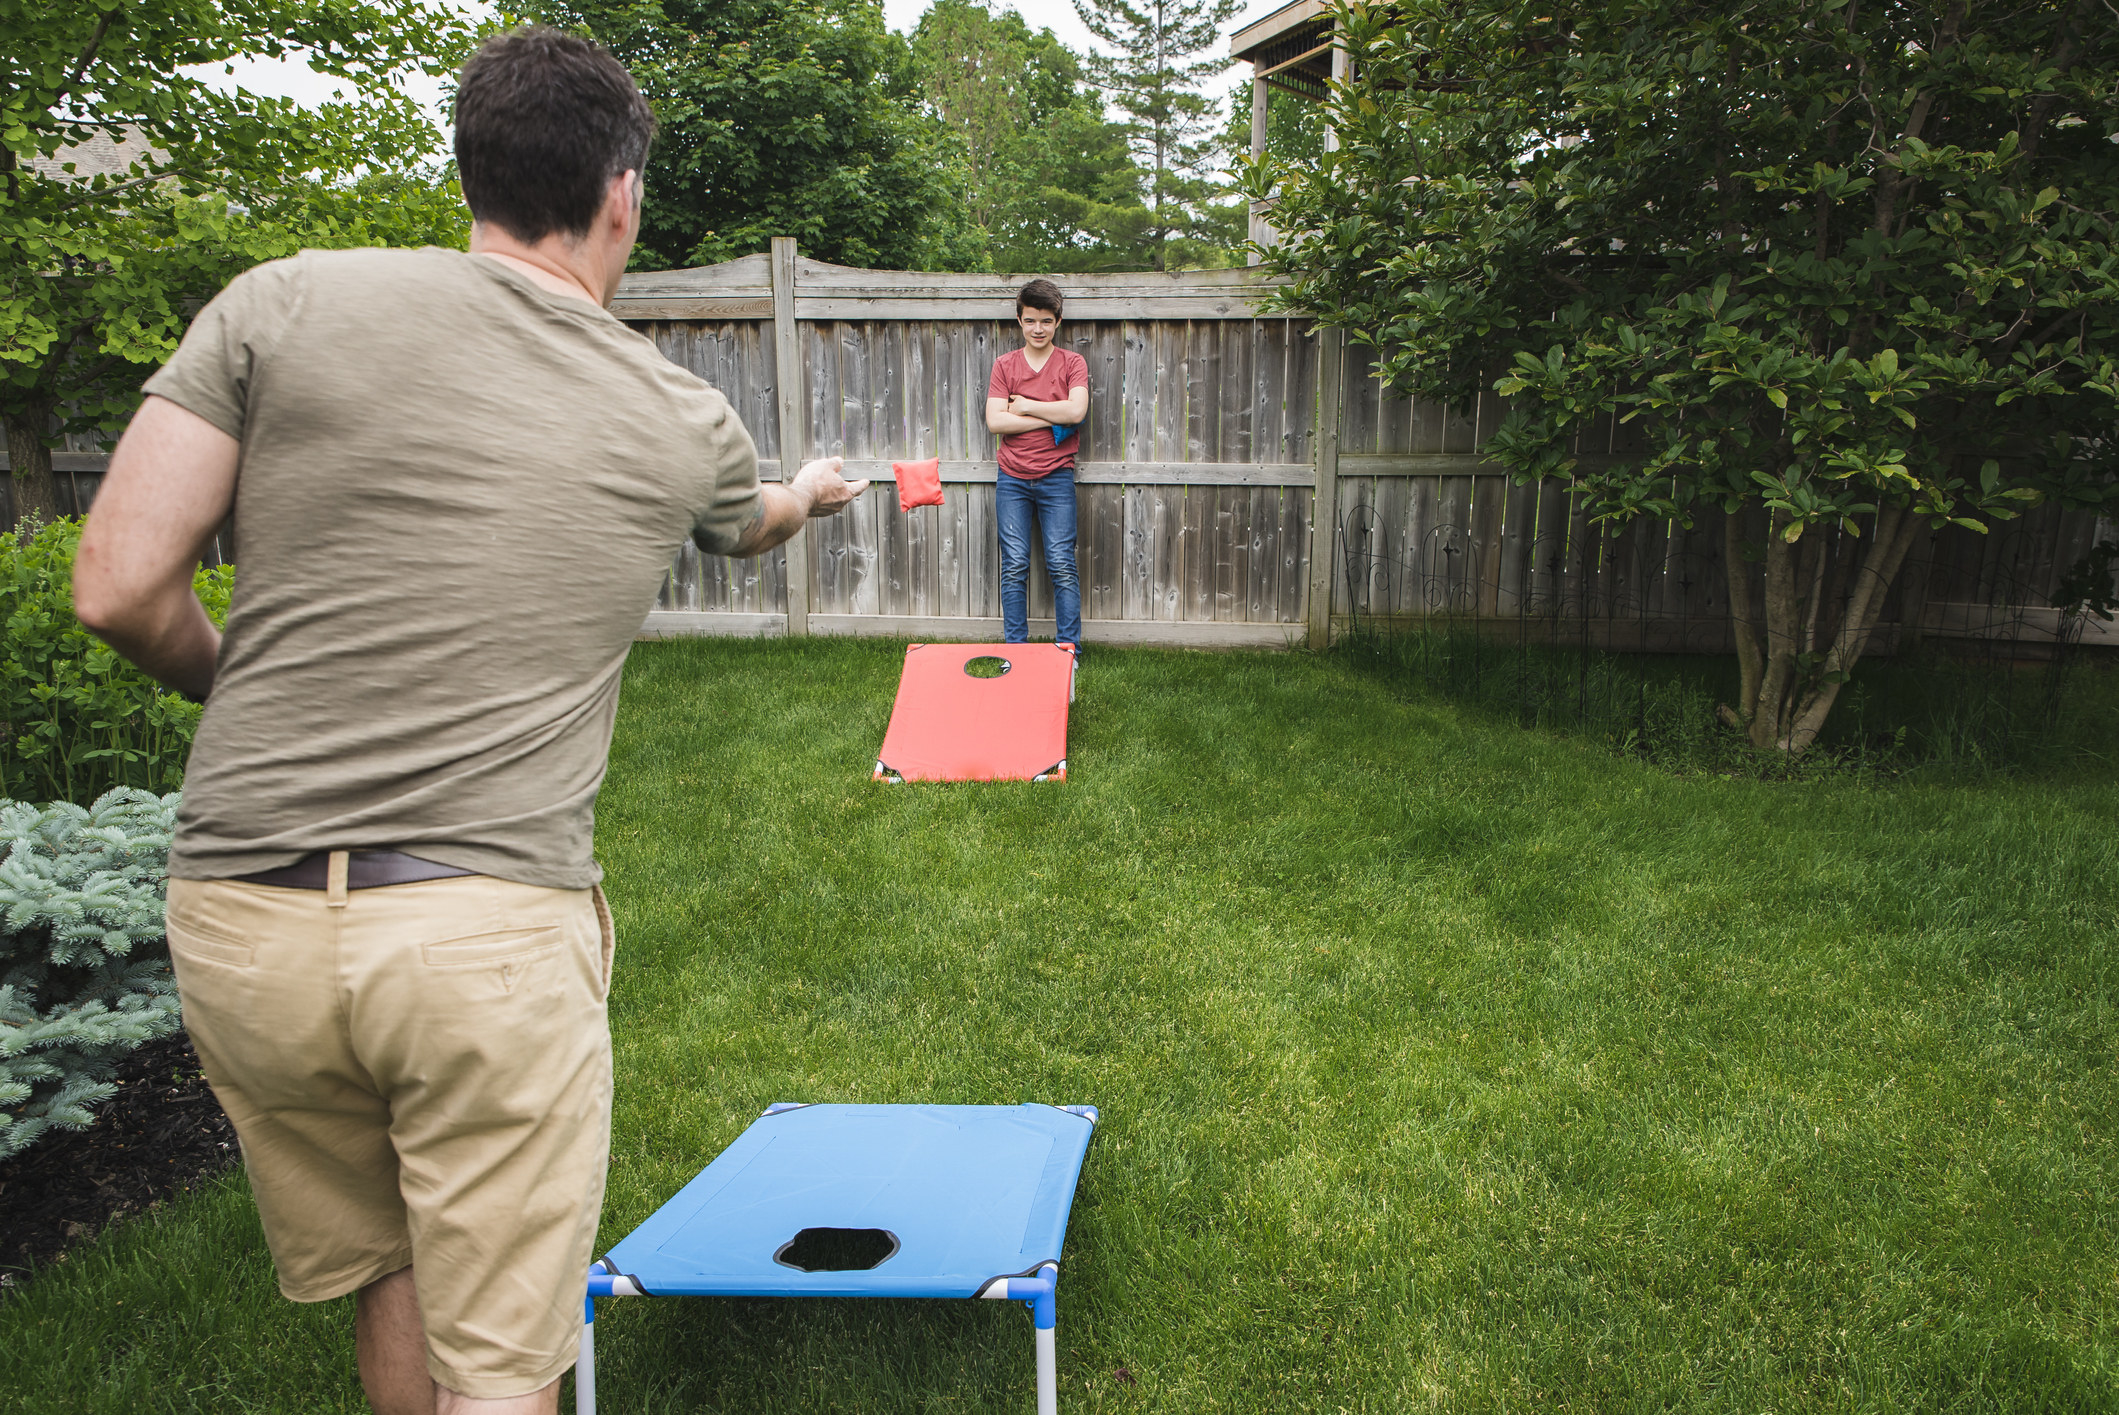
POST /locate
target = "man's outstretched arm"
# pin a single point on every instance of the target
(171, 482)
(817, 490)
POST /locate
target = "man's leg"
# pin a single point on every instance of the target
(474, 1082)
(543, 1402)
(393, 1358)
(1057, 515)
(392, 1348)
(1013, 498)
(257, 970)
(478, 1005)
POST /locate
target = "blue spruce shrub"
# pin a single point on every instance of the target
(84, 965)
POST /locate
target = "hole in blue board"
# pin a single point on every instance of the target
(837, 1250)
(986, 666)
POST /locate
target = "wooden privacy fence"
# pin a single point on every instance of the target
(1195, 471)
(1213, 436)
(1457, 538)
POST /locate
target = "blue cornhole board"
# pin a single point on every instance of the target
(968, 1200)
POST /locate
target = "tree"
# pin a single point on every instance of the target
(1845, 272)
(973, 73)
(781, 118)
(1051, 180)
(1153, 75)
(1294, 129)
(100, 270)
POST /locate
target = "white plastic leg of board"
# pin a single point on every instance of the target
(585, 1372)
(1047, 1373)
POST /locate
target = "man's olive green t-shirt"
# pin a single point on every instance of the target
(457, 496)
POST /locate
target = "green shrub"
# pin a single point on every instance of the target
(84, 965)
(76, 719)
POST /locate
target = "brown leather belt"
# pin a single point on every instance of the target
(365, 869)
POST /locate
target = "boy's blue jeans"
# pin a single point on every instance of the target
(1050, 499)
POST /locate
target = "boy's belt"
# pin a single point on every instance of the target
(365, 869)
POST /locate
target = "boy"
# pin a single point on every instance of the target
(1033, 391)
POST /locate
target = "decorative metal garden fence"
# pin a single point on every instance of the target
(1538, 613)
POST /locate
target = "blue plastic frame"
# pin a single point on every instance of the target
(665, 1254)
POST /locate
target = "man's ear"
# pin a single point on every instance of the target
(622, 197)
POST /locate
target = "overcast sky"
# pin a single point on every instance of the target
(294, 79)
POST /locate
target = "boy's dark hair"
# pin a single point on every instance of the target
(544, 120)
(1039, 294)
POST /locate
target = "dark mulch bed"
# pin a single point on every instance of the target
(159, 1135)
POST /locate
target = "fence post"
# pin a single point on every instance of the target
(788, 382)
(1324, 503)
(1259, 230)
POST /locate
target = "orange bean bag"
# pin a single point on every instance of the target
(919, 483)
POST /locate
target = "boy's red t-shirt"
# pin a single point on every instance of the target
(1031, 455)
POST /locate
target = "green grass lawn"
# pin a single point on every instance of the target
(1442, 1066)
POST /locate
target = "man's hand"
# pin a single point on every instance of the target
(170, 484)
(1028, 408)
(817, 490)
(825, 488)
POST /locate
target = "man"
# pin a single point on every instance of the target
(458, 481)
(1034, 392)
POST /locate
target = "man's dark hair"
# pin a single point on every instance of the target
(544, 120)
(1039, 294)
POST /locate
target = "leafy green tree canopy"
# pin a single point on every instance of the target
(1050, 180)
(783, 118)
(974, 72)
(134, 188)
(1161, 52)
(1846, 267)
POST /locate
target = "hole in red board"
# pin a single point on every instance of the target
(986, 666)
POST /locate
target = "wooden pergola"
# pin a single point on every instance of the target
(1296, 50)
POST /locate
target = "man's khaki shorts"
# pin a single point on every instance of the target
(419, 1074)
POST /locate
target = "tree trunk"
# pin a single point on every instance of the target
(1783, 637)
(1791, 682)
(1161, 232)
(1743, 613)
(35, 493)
(1896, 530)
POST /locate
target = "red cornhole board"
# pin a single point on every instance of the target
(950, 726)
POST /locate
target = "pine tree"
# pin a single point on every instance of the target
(1162, 51)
